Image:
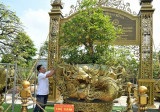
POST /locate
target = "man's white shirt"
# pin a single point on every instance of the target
(43, 84)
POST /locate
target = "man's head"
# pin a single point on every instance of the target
(41, 68)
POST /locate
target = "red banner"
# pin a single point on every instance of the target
(63, 108)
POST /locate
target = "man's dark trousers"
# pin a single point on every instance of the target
(41, 99)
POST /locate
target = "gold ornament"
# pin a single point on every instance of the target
(25, 94)
(25, 84)
(88, 84)
(142, 89)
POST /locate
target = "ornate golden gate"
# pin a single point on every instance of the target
(138, 31)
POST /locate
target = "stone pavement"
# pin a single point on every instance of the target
(122, 102)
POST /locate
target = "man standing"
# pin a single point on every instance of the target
(43, 87)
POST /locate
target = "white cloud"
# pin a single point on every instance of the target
(36, 24)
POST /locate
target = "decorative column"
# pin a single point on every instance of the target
(53, 47)
(146, 49)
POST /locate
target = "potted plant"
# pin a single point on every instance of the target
(86, 37)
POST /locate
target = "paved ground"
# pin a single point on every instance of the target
(118, 102)
(122, 102)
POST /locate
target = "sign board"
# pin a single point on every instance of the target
(63, 108)
(128, 23)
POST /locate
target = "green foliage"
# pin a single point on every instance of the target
(89, 29)
(113, 56)
(123, 56)
(13, 40)
(17, 108)
(10, 26)
(44, 50)
(156, 65)
(23, 47)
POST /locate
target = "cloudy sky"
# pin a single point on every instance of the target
(35, 18)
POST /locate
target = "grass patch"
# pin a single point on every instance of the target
(117, 108)
(17, 108)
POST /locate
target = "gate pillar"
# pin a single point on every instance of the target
(53, 46)
(146, 49)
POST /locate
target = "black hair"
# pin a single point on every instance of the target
(38, 67)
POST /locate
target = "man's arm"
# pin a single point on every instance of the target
(50, 74)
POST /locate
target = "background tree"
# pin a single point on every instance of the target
(13, 40)
(23, 47)
(156, 65)
(124, 56)
(44, 50)
(89, 29)
(10, 26)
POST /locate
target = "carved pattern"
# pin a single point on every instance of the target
(55, 26)
(90, 107)
(51, 87)
(89, 83)
(146, 48)
(119, 4)
(146, 73)
(53, 42)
